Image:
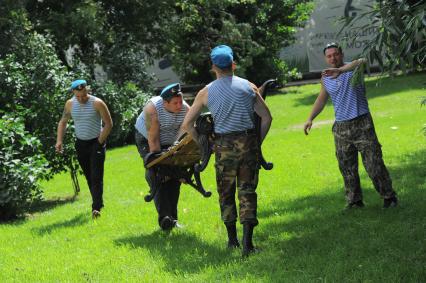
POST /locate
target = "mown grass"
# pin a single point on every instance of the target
(303, 233)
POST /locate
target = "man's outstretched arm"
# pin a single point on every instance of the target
(317, 108)
(335, 72)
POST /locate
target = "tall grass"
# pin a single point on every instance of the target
(303, 234)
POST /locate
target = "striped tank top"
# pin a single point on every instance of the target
(349, 101)
(87, 121)
(169, 122)
(231, 101)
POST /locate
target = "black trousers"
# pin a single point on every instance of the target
(91, 157)
(167, 197)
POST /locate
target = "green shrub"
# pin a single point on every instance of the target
(124, 104)
(400, 41)
(34, 82)
(22, 165)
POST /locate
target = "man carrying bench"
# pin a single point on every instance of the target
(157, 128)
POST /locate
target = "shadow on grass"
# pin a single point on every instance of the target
(375, 88)
(182, 252)
(412, 174)
(38, 207)
(78, 220)
(49, 204)
(313, 239)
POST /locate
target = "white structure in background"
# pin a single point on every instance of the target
(323, 27)
(163, 72)
(99, 72)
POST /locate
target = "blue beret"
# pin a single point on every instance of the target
(170, 90)
(77, 83)
(222, 56)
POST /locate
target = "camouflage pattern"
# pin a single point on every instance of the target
(359, 135)
(237, 166)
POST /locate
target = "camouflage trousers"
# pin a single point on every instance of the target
(359, 135)
(237, 167)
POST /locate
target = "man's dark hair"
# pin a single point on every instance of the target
(332, 45)
(226, 69)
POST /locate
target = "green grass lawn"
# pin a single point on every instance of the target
(303, 234)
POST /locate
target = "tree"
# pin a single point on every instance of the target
(256, 30)
(184, 31)
(401, 41)
(124, 103)
(98, 34)
(13, 23)
(78, 27)
(34, 83)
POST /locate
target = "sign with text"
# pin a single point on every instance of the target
(323, 27)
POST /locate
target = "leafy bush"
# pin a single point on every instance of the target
(33, 78)
(22, 165)
(124, 104)
(256, 31)
(126, 62)
(401, 40)
(34, 82)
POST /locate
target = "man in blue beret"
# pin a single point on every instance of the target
(88, 113)
(232, 102)
(157, 128)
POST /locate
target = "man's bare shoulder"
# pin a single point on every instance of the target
(97, 100)
(203, 91)
(202, 95)
(149, 108)
(99, 104)
(255, 88)
(66, 114)
(68, 103)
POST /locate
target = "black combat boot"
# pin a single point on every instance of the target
(248, 239)
(166, 223)
(232, 236)
(390, 202)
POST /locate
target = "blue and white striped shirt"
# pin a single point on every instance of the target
(231, 101)
(169, 122)
(87, 121)
(349, 101)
